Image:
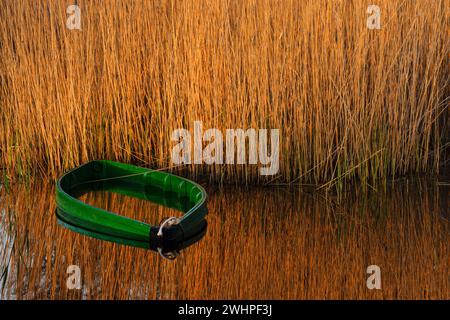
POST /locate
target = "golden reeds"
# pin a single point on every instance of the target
(350, 102)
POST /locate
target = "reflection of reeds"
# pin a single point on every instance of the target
(303, 246)
(351, 102)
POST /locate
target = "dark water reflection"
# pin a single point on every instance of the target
(260, 243)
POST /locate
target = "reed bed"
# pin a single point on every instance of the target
(304, 246)
(351, 103)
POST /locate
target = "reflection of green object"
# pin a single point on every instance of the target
(159, 187)
(139, 244)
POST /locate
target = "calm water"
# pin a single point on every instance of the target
(260, 243)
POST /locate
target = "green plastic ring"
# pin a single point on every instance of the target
(152, 185)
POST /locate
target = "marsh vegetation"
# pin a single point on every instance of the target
(351, 103)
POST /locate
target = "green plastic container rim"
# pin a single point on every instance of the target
(152, 185)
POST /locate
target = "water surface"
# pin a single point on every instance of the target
(260, 244)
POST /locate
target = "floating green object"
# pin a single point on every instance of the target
(156, 186)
